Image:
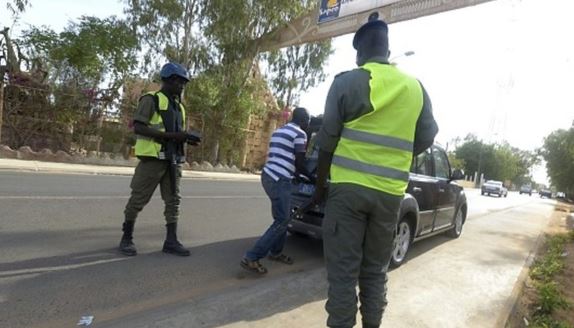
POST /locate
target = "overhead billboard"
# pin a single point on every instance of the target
(334, 9)
(332, 18)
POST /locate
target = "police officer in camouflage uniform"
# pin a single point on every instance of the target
(159, 125)
(376, 118)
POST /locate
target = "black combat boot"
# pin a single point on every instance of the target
(368, 325)
(127, 247)
(171, 245)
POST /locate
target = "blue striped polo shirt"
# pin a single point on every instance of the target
(285, 143)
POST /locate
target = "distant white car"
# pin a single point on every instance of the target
(494, 187)
(526, 189)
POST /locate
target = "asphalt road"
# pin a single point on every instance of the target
(58, 235)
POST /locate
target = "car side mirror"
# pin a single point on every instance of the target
(457, 174)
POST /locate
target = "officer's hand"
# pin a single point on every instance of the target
(319, 195)
(177, 136)
(312, 179)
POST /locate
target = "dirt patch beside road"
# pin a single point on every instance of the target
(547, 296)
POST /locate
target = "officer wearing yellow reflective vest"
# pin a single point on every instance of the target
(159, 125)
(376, 118)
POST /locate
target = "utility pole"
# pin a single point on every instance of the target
(478, 174)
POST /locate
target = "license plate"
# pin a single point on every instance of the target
(306, 189)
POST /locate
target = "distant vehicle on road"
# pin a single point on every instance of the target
(494, 187)
(434, 203)
(526, 189)
(545, 193)
(560, 195)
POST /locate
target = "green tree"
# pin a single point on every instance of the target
(172, 30)
(16, 7)
(455, 162)
(85, 66)
(218, 40)
(558, 152)
(472, 151)
(295, 69)
(93, 49)
(234, 27)
(497, 161)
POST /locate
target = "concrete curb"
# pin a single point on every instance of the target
(511, 303)
(65, 168)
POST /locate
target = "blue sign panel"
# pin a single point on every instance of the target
(329, 10)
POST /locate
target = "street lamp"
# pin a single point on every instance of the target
(478, 173)
(405, 54)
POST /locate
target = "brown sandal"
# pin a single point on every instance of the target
(253, 266)
(281, 258)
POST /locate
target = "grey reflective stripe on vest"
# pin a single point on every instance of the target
(377, 139)
(163, 156)
(157, 126)
(370, 169)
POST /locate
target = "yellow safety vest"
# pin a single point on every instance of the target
(376, 149)
(146, 146)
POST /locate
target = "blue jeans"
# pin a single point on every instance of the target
(273, 240)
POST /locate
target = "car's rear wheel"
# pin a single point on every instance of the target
(456, 230)
(402, 243)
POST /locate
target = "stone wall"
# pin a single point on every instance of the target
(257, 141)
(95, 158)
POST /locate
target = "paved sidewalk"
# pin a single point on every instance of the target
(65, 168)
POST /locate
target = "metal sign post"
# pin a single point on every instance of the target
(1, 108)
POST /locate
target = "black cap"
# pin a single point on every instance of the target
(372, 24)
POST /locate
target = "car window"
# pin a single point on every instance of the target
(441, 167)
(421, 163)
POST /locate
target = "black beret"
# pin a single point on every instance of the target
(373, 24)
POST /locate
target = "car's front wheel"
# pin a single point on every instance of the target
(402, 243)
(456, 230)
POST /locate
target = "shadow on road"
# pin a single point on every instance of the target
(55, 291)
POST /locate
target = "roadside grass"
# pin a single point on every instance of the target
(550, 298)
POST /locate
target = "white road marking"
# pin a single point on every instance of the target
(57, 268)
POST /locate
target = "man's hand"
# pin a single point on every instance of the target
(317, 199)
(319, 196)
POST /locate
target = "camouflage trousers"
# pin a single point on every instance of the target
(358, 233)
(148, 175)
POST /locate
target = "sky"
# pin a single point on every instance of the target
(500, 70)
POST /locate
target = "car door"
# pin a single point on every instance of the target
(446, 191)
(422, 186)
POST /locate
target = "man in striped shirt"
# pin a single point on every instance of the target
(286, 159)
